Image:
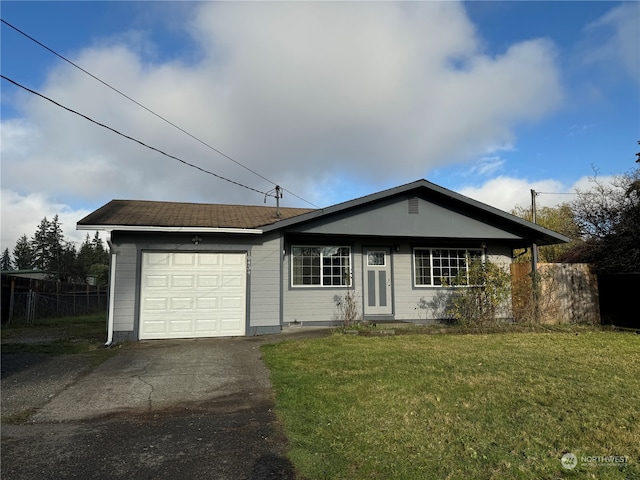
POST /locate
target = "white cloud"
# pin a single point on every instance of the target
(506, 192)
(21, 215)
(376, 93)
(614, 39)
(486, 166)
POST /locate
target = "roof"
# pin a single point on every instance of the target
(143, 213)
(453, 200)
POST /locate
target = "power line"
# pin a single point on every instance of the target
(556, 193)
(131, 138)
(149, 110)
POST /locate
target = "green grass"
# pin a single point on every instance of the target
(56, 336)
(500, 406)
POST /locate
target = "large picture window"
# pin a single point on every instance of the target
(320, 266)
(438, 266)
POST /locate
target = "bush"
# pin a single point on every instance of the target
(348, 309)
(480, 297)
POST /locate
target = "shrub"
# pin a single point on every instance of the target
(480, 296)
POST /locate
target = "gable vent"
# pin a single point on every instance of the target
(413, 205)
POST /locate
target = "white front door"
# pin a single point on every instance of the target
(377, 281)
(188, 294)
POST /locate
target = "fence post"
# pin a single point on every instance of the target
(12, 299)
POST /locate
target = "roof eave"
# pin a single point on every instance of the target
(166, 229)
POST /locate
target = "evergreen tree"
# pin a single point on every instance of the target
(93, 259)
(101, 255)
(40, 246)
(85, 256)
(58, 257)
(5, 263)
(23, 258)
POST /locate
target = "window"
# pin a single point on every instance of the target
(320, 266)
(435, 266)
(376, 259)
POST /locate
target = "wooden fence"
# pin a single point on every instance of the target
(568, 293)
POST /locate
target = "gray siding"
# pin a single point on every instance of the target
(409, 298)
(391, 218)
(262, 293)
(125, 289)
(318, 304)
(265, 284)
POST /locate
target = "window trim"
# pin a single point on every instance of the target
(321, 284)
(482, 257)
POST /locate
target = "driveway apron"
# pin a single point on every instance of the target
(194, 409)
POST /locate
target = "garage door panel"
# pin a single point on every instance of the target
(155, 327)
(185, 295)
(156, 281)
(207, 304)
(156, 304)
(181, 304)
(231, 303)
(204, 326)
(182, 260)
(208, 281)
(209, 259)
(157, 259)
(232, 281)
(182, 281)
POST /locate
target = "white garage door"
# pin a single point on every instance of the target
(187, 295)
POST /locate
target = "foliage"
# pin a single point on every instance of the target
(608, 218)
(504, 406)
(93, 259)
(5, 262)
(23, 254)
(49, 251)
(559, 219)
(480, 294)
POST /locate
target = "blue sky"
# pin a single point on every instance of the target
(330, 100)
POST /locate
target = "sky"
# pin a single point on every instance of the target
(330, 100)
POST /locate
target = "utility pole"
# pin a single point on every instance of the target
(534, 263)
(278, 197)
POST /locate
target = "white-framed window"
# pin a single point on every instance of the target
(438, 266)
(320, 266)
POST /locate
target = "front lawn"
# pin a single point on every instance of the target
(500, 406)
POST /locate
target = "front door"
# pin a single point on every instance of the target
(377, 281)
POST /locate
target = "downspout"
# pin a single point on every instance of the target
(112, 291)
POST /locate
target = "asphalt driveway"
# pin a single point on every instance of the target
(193, 409)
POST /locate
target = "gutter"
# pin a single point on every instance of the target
(149, 228)
(112, 291)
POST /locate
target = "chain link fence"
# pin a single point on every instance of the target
(29, 307)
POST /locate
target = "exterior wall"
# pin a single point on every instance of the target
(411, 301)
(317, 305)
(264, 290)
(263, 296)
(271, 300)
(125, 291)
